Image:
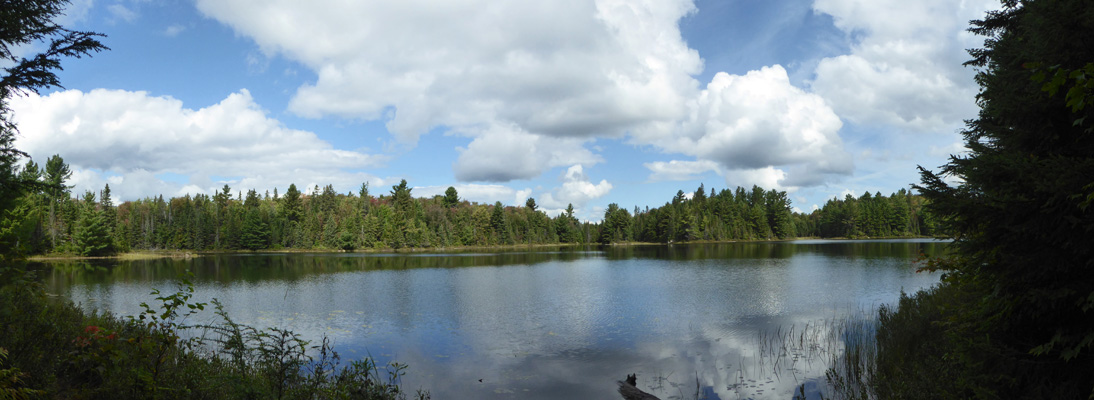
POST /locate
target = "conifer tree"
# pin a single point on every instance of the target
(451, 197)
(92, 235)
(1021, 215)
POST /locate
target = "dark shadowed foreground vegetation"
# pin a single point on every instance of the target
(1012, 316)
(49, 348)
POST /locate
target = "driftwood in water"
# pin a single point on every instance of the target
(630, 390)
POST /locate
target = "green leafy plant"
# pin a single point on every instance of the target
(11, 381)
(162, 326)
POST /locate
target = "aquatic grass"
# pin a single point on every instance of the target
(799, 350)
(890, 352)
(850, 375)
(844, 348)
(800, 353)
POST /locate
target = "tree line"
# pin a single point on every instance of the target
(758, 214)
(49, 219)
(53, 221)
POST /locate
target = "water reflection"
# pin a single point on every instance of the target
(783, 249)
(564, 323)
(259, 267)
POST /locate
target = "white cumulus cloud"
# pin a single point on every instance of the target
(757, 122)
(576, 189)
(552, 72)
(905, 67)
(569, 68)
(533, 84)
(144, 138)
(767, 178)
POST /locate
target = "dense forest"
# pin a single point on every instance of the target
(51, 220)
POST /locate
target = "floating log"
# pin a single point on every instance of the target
(630, 391)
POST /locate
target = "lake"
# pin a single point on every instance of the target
(549, 323)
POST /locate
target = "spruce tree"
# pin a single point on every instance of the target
(451, 197)
(1021, 217)
(92, 233)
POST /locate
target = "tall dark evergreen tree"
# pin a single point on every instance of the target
(779, 218)
(451, 197)
(92, 235)
(500, 224)
(254, 231)
(400, 195)
(616, 226)
(291, 205)
(1021, 217)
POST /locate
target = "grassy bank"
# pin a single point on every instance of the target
(49, 348)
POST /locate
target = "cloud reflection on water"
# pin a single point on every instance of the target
(547, 325)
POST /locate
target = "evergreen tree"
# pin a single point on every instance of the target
(500, 224)
(57, 173)
(254, 231)
(779, 217)
(291, 204)
(24, 24)
(451, 197)
(252, 200)
(30, 172)
(616, 226)
(92, 235)
(400, 195)
(1021, 215)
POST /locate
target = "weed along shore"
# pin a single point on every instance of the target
(63, 351)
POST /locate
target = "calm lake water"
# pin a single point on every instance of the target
(566, 323)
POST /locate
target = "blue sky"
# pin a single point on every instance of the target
(577, 102)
